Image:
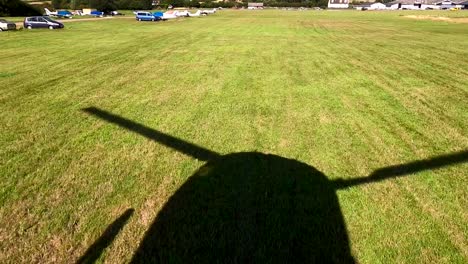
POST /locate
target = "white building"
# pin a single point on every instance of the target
(338, 3)
(252, 5)
(371, 6)
(463, 5)
(421, 4)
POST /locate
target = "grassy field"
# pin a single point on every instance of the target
(107, 126)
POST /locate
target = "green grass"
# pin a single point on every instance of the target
(344, 92)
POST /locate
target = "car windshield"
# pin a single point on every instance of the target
(3, 20)
(49, 19)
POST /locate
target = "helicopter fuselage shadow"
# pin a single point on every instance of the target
(249, 208)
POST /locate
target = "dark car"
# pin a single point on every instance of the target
(114, 13)
(41, 22)
(6, 25)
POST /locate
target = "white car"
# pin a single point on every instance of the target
(184, 13)
(6, 25)
(196, 14)
(169, 15)
(207, 12)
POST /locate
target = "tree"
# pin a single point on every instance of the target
(134, 4)
(103, 5)
(144, 4)
(64, 4)
(57, 4)
(17, 8)
(80, 4)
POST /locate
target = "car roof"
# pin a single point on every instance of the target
(46, 17)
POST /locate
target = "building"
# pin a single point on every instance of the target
(463, 5)
(413, 4)
(338, 3)
(371, 6)
(87, 11)
(254, 5)
(446, 5)
(426, 4)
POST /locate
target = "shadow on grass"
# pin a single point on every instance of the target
(96, 249)
(406, 169)
(253, 207)
(249, 208)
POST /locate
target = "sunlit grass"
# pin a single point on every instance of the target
(345, 92)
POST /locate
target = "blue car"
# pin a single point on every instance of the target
(159, 15)
(64, 14)
(97, 13)
(146, 16)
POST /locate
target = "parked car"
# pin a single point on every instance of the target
(116, 13)
(6, 25)
(96, 13)
(146, 16)
(41, 22)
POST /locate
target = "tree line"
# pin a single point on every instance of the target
(102, 5)
(17, 8)
(20, 8)
(107, 5)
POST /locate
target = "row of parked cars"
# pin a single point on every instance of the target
(48, 22)
(156, 16)
(32, 22)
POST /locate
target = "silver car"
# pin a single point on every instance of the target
(6, 25)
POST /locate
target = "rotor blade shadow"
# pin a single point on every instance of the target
(162, 138)
(96, 249)
(405, 169)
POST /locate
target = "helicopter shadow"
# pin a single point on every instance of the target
(253, 207)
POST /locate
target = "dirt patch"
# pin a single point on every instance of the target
(440, 18)
(84, 19)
